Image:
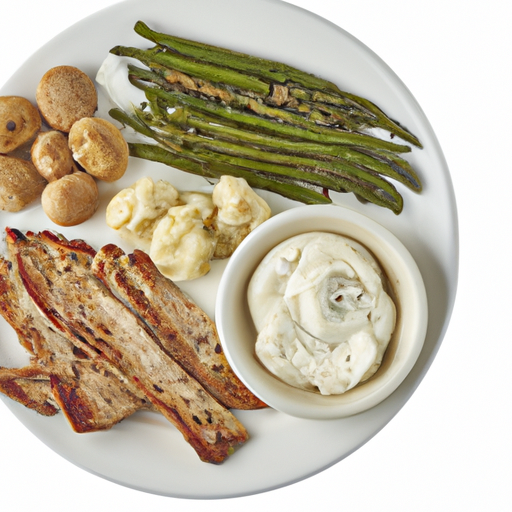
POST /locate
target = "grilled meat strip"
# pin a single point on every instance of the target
(91, 393)
(30, 386)
(185, 332)
(57, 275)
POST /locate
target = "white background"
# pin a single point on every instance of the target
(450, 448)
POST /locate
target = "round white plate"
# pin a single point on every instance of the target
(144, 451)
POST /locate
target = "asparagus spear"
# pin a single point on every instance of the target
(289, 186)
(284, 186)
(336, 176)
(329, 115)
(274, 72)
(317, 160)
(312, 133)
(378, 120)
(189, 66)
(307, 118)
(352, 116)
(384, 163)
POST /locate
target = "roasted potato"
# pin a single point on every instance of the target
(19, 122)
(71, 200)
(51, 155)
(64, 95)
(100, 148)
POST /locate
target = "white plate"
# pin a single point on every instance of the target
(144, 451)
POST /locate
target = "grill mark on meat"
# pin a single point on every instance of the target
(184, 331)
(76, 373)
(72, 401)
(130, 347)
(79, 353)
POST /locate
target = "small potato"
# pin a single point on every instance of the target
(19, 122)
(64, 95)
(99, 147)
(20, 183)
(51, 155)
(71, 200)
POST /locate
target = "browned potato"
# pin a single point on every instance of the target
(71, 200)
(51, 155)
(99, 147)
(20, 183)
(64, 95)
(19, 122)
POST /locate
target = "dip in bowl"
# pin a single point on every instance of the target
(239, 322)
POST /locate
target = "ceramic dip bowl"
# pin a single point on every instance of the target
(238, 333)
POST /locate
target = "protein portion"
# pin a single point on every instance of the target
(94, 353)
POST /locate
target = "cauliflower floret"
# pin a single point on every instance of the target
(135, 211)
(240, 210)
(181, 246)
(203, 202)
(183, 231)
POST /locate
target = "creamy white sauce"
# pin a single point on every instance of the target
(116, 91)
(113, 77)
(323, 317)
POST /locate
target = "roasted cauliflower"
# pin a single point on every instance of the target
(183, 231)
(240, 210)
(136, 210)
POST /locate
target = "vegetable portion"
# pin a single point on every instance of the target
(213, 111)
